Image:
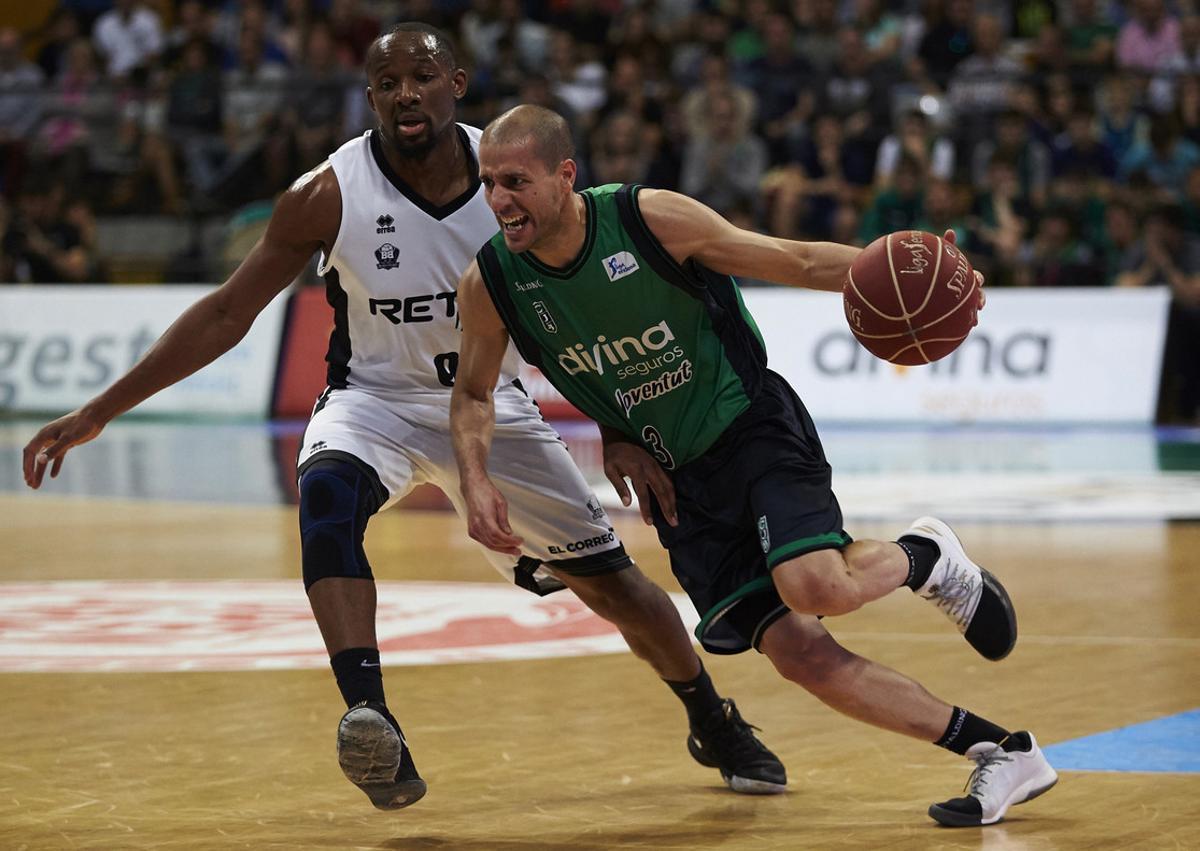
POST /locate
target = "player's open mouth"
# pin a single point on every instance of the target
(410, 126)
(513, 224)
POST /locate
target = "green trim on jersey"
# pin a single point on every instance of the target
(666, 354)
(573, 267)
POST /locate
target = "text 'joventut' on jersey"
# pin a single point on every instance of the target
(666, 354)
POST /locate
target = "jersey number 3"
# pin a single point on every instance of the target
(655, 441)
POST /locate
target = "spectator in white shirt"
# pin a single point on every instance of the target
(129, 36)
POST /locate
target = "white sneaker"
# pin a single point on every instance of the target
(1001, 779)
(969, 595)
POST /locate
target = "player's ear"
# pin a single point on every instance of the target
(568, 171)
(458, 81)
(370, 98)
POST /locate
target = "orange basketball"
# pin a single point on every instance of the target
(911, 297)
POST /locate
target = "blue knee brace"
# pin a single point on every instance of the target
(337, 497)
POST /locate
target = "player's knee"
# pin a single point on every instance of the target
(336, 500)
(815, 584)
(813, 662)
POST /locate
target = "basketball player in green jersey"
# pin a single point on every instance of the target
(623, 298)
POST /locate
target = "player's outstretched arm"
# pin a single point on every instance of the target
(691, 230)
(473, 413)
(306, 216)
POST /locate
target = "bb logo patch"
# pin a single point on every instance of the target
(387, 256)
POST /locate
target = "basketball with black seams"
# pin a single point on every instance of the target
(911, 297)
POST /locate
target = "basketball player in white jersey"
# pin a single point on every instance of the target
(397, 215)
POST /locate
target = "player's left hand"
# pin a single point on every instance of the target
(623, 460)
(951, 237)
(487, 518)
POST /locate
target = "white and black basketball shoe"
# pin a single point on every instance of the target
(969, 595)
(1006, 774)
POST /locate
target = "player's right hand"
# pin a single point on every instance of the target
(951, 236)
(621, 460)
(50, 445)
(487, 518)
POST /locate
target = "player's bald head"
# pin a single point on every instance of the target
(542, 130)
(411, 34)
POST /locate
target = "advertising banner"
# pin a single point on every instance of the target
(61, 345)
(1037, 356)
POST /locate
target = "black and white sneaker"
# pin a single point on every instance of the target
(375, 758)
(1010, 773)
(725, 741)
(969, 595)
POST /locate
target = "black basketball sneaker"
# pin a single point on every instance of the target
(726, 742)
(375, 758)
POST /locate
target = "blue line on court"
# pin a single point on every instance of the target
(1165, 744)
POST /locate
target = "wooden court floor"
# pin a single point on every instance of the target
(587, 752)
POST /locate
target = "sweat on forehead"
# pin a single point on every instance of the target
(414, 39)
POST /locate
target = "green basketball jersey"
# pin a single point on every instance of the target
(666, 354)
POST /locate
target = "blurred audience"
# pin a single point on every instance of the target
(917, 138)
(49, 238)
(21, 105)
(723, 164)
(1148, 38)
(1043, 132)
(1168, 256)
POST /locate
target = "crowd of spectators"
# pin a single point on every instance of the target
(1060, 139)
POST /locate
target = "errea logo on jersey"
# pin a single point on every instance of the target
(619, 265)
(579, 358)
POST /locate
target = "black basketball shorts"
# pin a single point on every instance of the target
(757, 497)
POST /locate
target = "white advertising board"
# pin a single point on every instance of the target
(61, 345)
(1037, 356)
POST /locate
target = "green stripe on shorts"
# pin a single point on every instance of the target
(752, 587)
(830, 540)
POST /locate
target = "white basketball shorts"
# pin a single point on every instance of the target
(406, 441)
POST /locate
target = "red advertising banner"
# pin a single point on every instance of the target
(301, 374)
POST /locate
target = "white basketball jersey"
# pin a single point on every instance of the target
(392, 273)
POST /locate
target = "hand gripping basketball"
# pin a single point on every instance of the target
(912, 297)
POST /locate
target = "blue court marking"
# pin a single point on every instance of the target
(1165, 744)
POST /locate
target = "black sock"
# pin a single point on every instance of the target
(922, 556)
(965, 730)
(359, 676)
(699, 697)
